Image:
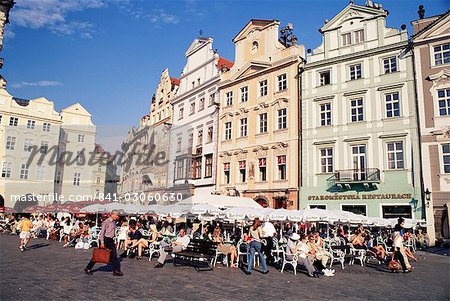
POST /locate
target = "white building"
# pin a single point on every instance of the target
(193, 146)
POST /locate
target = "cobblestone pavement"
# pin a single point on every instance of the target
(47, 271)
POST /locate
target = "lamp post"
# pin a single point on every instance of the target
(428, 197)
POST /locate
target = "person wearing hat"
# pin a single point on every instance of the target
(294, 247)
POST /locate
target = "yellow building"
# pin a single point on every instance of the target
(161, 107)
(259, 117)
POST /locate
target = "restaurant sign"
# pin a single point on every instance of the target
(381, 196)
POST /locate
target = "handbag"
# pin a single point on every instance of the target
(394, 264)
(101, 255)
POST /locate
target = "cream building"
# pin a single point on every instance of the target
(193, 146)
(431, 48)
(29, 130)
(259, 118)
(360, 149)
(104, 174)
(73, 177)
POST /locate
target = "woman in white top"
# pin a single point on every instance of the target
(256, 234)
(398, 244)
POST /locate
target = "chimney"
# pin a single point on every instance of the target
(421, 12)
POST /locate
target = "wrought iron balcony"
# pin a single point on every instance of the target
(354, 176)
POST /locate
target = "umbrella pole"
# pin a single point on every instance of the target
(328, 230)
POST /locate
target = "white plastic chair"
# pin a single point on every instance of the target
(358, 254)
(154, 248)
(292, 262)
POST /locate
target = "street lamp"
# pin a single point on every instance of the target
(428, 197)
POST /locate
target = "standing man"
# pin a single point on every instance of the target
(106, 237)
(269, 232)
(25, 227)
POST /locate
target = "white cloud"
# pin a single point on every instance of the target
(160, 16)
(53, 14)
(41, 83)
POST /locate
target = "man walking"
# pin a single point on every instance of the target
(106, 238)
(25, 227)
(269, 232)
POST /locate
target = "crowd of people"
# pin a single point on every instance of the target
(303, 243)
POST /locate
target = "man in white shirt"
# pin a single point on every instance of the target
(177, 246)
(269, 232)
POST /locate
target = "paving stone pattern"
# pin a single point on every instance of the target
(47, 271)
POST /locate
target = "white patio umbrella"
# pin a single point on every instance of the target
(279, 214)
(237, 213)
(198, 209)
(314, 215)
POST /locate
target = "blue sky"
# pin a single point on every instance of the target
(109, 54)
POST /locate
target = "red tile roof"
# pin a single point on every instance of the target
(175, 81)
(224, 63)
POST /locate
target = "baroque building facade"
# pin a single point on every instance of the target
(258, 120)
(193, 145)
(46, 154)
(145, 151)
(430, 45)
(360, 147)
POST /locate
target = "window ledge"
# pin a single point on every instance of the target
(280, 130)
(261, 134)
(280, 181)
(387, 73)
(392, 118)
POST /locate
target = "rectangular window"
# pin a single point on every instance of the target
(228, 130)
(282, 82)
(201, 104)
(263, 88)
(229, 98)
(197, 168)
(180, 169)
(44, 147)
(325, 114)
(179, 144)
(80, 157)
(40, 175)
(99, 169)
(10, 142)
(190, 140)
(210, 134)
(356, 209)
(28, 144)
(281, 167)
(226, 171)
(446, 157)
(263, 123)
(262, 163)
(326, 160)
(442, 54)
(46, 127)
(444, 102)
(395, 155)
(282, 119)
(81, 138)
(212, 99)
(355, 72)
(192, 108)
(359, 36)
(243, 127)
(242, 171)
(244, 94)
(6, 169)
(13, 121)
(208, 165)
(76, 179)
(180, 114)
(1, 118)
(392, 104)
(200, 137)
(390, 65)
(325, 77)
(357, 109)
(346, 39)
(31, 124)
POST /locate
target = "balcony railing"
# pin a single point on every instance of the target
(354, 176)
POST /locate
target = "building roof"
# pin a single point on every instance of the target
(439, 18)
(224, 63)
(21, 101)
(175, 81)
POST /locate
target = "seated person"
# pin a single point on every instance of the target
(145, 243)
(134, 235)
(318, 253)
(74, 235)
(301, 249)
(222, 248)
(421, 239)
(358, 241)
(177, 246)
